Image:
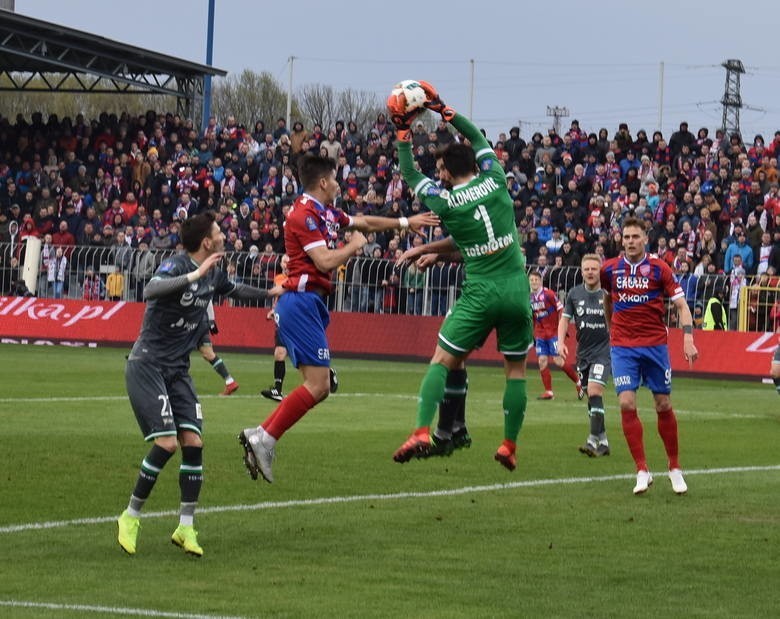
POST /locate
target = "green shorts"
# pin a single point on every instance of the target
(503, 305)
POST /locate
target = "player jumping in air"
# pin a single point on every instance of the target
(636, 285)
(310, 233)
(478, 212)
(451, 432)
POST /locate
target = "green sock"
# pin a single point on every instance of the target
(431, 393)
(515, 400)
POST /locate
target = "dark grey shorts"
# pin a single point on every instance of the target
(164, 401)
(596, 370)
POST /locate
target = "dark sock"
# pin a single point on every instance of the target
(191, 473)
(219, 368)
(279, 371)
(152, 464)
(460, 413)
(596, 414)
(454, 394)
(777, 384)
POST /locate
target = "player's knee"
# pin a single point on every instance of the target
(595, 390)
(627, 402)
(168, 443)
(775, 370)
(663, 403)
(320, 392)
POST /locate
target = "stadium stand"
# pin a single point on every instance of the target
(111, 192)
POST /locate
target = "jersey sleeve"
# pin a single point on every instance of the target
(568, 308)
(606, 277)
(170, 267)
(553, 301)
(430, 194)
(222, 285)
(306, 228)
(671, 287)
(344, 220)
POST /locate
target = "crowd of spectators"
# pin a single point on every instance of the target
(711, 203)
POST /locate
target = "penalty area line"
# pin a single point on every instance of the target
(531, 483)
(112, 610)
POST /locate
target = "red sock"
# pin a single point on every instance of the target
(632, 430)
(546, 378)
(667, 428)
(293, 407)
(571, 373)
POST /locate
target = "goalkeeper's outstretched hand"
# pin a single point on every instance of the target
(434, 103)
(400, 117)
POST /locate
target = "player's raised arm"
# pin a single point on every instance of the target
(442, 246)
(402, 120)
(373, 223)
(166, 282)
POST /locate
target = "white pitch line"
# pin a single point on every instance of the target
(113, 610)
(532, 483)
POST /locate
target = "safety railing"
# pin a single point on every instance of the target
(366, 285)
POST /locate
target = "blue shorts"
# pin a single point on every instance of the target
(548, 348)
(642, 365)
(301, 319)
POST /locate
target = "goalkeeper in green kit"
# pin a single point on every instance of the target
(474, 205)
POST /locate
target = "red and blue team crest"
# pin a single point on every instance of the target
(644, 270)
(311, 223)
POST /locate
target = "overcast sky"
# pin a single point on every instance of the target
(600, 60)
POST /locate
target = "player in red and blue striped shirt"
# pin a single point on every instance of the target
(637, 284)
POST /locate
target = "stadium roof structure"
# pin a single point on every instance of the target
(68, 60)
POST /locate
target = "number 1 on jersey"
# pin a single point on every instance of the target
(481, 213)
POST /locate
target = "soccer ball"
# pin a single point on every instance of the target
(409, 94)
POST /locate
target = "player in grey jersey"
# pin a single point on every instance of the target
(157, 375)
(585, 305)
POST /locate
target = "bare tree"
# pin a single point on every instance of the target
(318, 104)
(322, 105)
(250, 97)
(360, 106)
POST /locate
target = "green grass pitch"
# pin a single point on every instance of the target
(346, 532)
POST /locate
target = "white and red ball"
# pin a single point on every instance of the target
(409, 94)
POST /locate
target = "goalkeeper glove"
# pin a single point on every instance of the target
(401, 119)
(434, 103)
(213, 327)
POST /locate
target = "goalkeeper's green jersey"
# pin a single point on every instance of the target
(479, 214)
